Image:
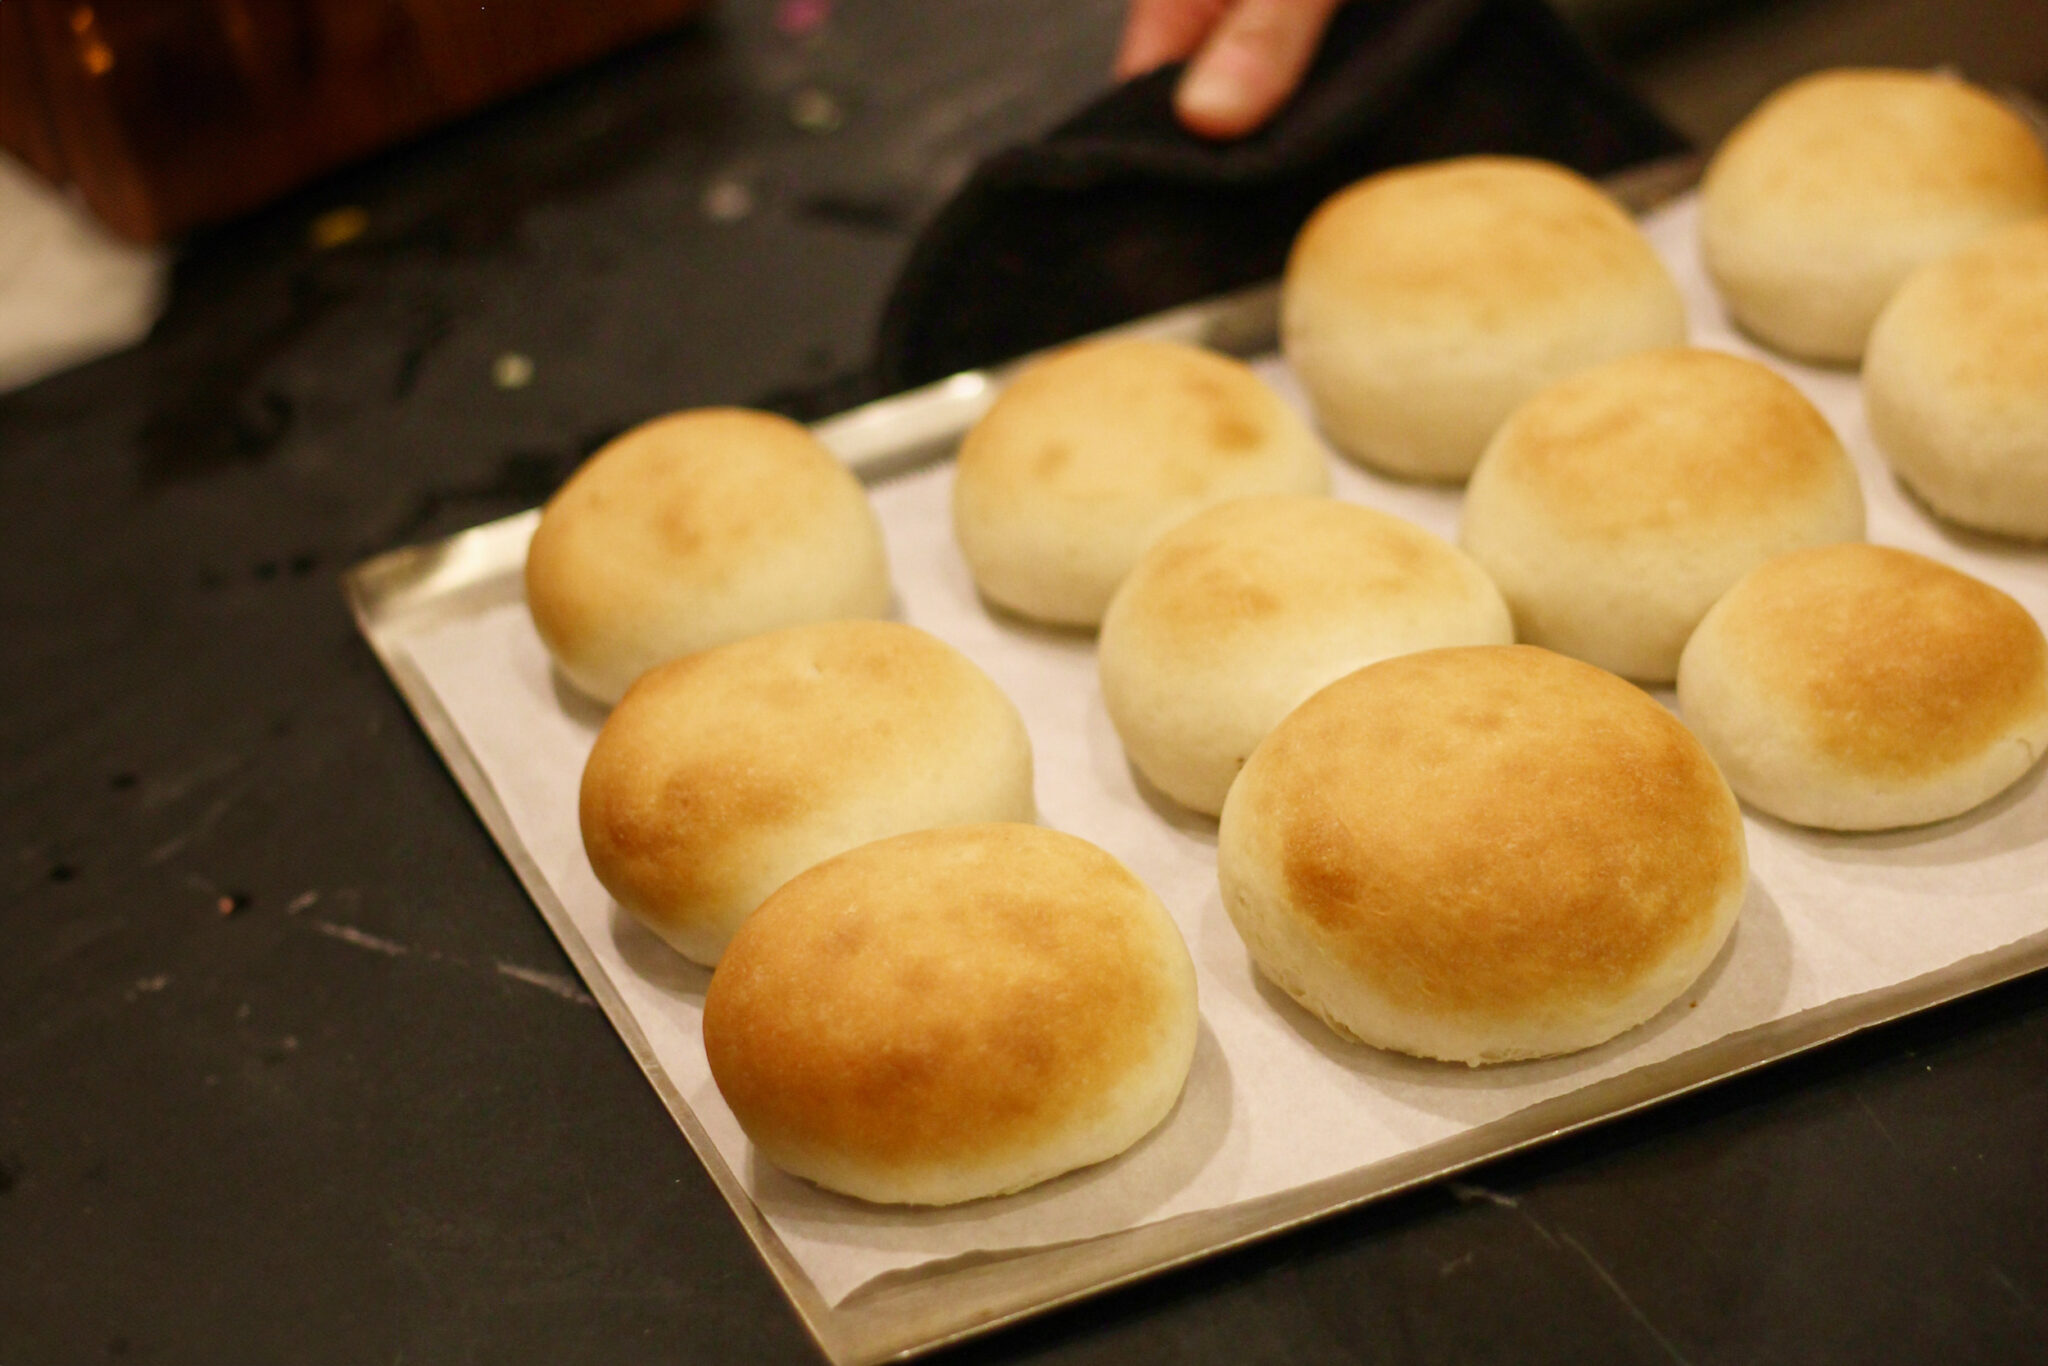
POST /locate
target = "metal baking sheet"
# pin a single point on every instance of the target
(400, 597)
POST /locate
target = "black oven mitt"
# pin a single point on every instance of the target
(1119, 212)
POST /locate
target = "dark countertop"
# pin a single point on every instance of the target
(287, 1069)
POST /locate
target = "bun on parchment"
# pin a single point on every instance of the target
(1482, 854)
(1422, 305)
(1860, 687)
(953, 1014)
(723, 774)
(1617, 505)
(1956, 383)
(1092, 452)
(693, 530)
(1242, 611)
(1822, 201)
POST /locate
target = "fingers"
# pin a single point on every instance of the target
(1160, 31)
(1248, 55)
(1249, 66)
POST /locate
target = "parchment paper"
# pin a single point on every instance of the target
(1275, 1100)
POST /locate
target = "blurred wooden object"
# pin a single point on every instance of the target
(170, 113)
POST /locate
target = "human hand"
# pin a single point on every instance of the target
(1245, 56)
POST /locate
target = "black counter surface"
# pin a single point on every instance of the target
(290, 1069)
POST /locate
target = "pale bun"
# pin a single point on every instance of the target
(723, 774)
(1236, 615)
(1482, 854)
(1422, 305)
(1094, 451)
(1837, 186)
(1956, 383)
(694, 530)
(1616, 506)
(954, 1014)
(1859, 687)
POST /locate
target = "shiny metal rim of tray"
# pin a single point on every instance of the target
(405, 591)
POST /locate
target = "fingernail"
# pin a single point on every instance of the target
(1210, 97)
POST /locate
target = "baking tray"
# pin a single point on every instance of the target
(401, 596)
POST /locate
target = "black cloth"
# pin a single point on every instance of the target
(1119, 212)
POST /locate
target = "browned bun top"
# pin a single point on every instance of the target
(1894, 665)
(760, 733)
(1686, 441)
(1973, 323)
(723, 773)
(943, 1010)
(1115, 421)
(1821, 203)
(1847, 148)
(1242, 569)
(696, 529)
(1091, 453)
(1482, 240)
(1495, 832)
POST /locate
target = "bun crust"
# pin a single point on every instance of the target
(723, 774)
(1956, 383)
(1835, 188)
(1093, 452)
(1236, 615)
(1616, 506)
(1482, 854)
(694, 530)
(953, 1014)
(1860, 687)
(1421, 305)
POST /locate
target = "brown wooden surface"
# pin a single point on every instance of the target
(24, 114)
(166, 114)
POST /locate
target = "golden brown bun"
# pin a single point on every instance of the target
(1858, 687)
(1956, 383)
(1093, 452)
(723, 774)
(1237, 614)
(1482, 854)
(953, 1014)
(1826, 197)
(693, 530)
(1421, 305)
(1617, 505)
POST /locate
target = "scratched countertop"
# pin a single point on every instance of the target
(291, 1071)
